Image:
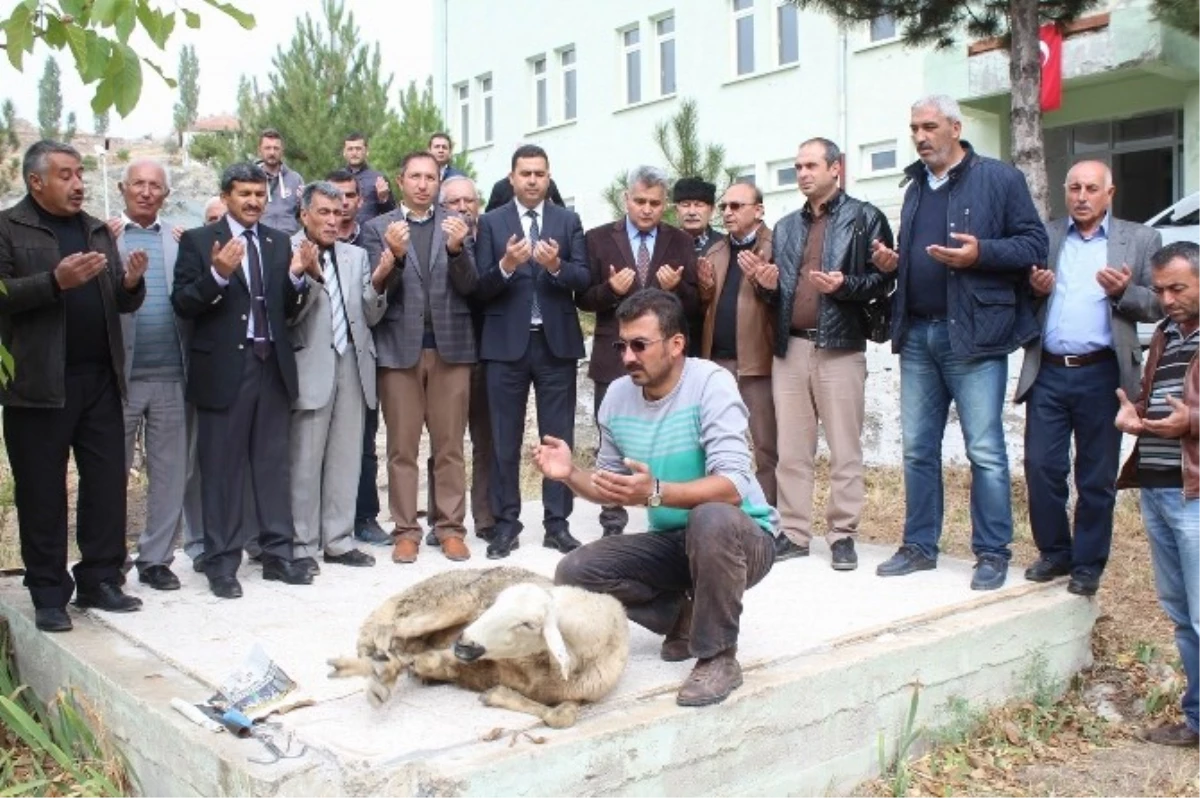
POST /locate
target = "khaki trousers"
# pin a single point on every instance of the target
(822, 386)
(433, 394)
(756, 393)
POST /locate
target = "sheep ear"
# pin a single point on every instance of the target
(554, 640)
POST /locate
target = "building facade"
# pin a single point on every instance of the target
(590, 81)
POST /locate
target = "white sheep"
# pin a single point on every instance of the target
(509, 633)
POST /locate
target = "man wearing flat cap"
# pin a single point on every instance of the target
(694, 200)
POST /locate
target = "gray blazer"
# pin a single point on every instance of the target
(183, 327)
(451, 280)
(311, 331)
(1128, 243)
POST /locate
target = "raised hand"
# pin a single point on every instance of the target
(516, 252)
(456, 232)
(396, 237)
(884, 258)
(1128, 420)
(1176, 425)
(956, 257)
(669, 277)
(228, 258)
(827, 282)
(767, 276)
(706, 274)
(309, 261)
(545, 254)
(1041, 281)
(135, 267)
(750, 262)
(553, 458)
(1114, 281)
(620, 281)
(626, 490)
(382, 189)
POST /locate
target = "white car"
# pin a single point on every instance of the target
(1180, 222)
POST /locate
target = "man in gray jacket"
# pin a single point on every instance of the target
(335, 361)
(283, 185)
(1094, 289)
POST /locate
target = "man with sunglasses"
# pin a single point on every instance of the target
(738, 322)
(634, 254)
(673, 439)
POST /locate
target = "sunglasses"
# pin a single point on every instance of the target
(638, 345)
(734, 206)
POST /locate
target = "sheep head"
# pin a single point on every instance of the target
(521, 622)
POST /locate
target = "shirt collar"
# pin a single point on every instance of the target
(748, 240)
(237, 229)
(353, 234)
(538, 209)
(633, 232)
(1101, 229)
(411, 215)
(154, 226)
(826, 206)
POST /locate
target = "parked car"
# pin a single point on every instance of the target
(1180, 222)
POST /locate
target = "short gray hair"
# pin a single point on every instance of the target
(1188, 251)
(946, 105)
(648, 176)
(456, 179)
(37, 157)
(322, 187)
(129, 167)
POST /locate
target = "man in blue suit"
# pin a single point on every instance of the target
(531, 260)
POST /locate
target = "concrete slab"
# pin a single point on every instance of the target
(830, 660)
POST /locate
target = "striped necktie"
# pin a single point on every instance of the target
(534, 233)
(643, 259)
(337, 306)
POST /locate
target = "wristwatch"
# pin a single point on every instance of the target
(655, 498)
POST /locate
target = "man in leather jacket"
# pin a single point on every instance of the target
(824, 280)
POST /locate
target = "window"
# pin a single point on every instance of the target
(541, 100)
(570, 101)
(485, 91)
(883, 28)
(743, 36)
(632, 42)
(665, 30)
(746, 174)
(784, 173)
(787, 27)
(879, 157)
(464, 115)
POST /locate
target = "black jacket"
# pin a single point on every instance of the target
(851, 227)
(31, 306)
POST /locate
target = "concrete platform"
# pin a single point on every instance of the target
(830, 662)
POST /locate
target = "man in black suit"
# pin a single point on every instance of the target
(502, 194)
(531, 259)
(239, 283)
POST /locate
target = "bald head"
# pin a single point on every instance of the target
(1089, 193)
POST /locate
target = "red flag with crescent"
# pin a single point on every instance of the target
(1050, 43)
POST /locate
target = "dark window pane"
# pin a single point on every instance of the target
(542, 110)
(786, 176)
(665, 25)
(1091, 138)
(745, 45)
(883, 27)
(1145, 128)
(883, 160)
(632, 37)
(569, 94)
(666, 67)
(633, 77)
(789, 34)
(742, 5)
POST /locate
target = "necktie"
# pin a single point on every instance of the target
(258, 300)
(534, 234)
(337, 307)
(643, 259)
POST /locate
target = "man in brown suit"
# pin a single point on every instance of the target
(739, 328)
(625, 257)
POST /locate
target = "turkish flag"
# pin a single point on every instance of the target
(1050, 43)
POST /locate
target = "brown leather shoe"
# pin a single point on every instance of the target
(405, 550)
(711, 681)
(1178, 735)
(455, 549)
(676, 645)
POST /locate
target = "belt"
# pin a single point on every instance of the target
(1075, 361)
(809, 334)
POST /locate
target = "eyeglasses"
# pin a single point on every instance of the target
(734, 206)
(638, 345)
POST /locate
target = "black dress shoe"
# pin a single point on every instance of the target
(309, 564)
(354, 558)
(485, 533)
(159, 577)
(562, 540)
(1083, 584)
(431, 539)
(106, 596)
(785, 549)
(502, 544)
(226, 587)
(52, 619)
(199, 563)
(292, 572)
(1045, 570)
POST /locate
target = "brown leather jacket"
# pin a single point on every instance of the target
(1188, 443)
(755, 318)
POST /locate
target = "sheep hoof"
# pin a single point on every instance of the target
(378, 693)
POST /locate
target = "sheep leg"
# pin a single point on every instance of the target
(436, 666)
(345, 667)
(382, 679)
(556, 717)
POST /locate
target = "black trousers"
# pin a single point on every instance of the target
(366, 508)
(553, 380)
(615, 517)
(250, 435)
(39, 441)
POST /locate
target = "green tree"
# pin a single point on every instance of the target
(941, 22)
(50, 100)
(188, 107)
(100, 122)
(683, 155)
(419, 119)
(96, 32)
(8, 146)
(1182, 14)
(71, 129)
(219, 150)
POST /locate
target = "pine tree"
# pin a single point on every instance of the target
(1182, 14)
(419, 119)
(50, 102)
(100, 122)
(8, 145)
(71, 129)
(188, 107)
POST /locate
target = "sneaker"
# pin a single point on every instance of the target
(785, 549)
(990, 572)
(1179, 735)
(369, 531)
(844, 558)
(906, 560)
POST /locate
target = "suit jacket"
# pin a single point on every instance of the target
(311, 330)
(183, 327)
(1128, 243)
(220, 315)
(508, 301)
(608, 245)
(399, 336)
(755, 317)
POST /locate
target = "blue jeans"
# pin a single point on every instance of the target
(931, 375)
(1173, 527)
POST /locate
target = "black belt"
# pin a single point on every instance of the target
(1075, 361)
(809, 334)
